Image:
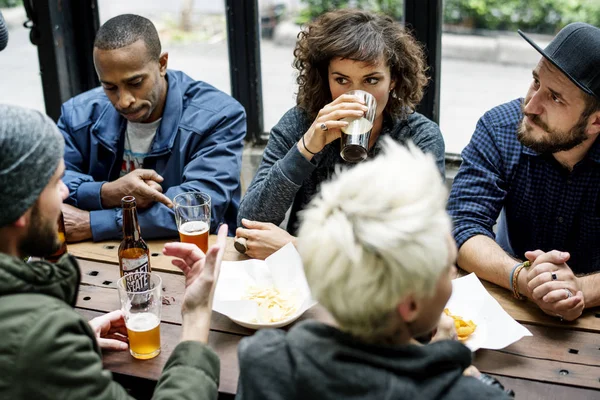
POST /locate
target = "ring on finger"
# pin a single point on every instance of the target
(569, 294)
(554, 276)
(324, 127)
(559, 316)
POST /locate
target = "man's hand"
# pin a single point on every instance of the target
(553, 286)
(446, 329)
(110, 331)
(77, 223)
(143, 184)
(201, 275)
(263, 238)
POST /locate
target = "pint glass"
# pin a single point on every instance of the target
(192, 214)
(355, 136)
(141, 299)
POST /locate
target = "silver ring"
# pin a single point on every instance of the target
(559, 316)
(569, 294)
(554, 277)
(324, 127)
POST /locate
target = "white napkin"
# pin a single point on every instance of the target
(282, 270)
(495, 328)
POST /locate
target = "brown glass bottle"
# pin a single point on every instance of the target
(62, 238)
(134, 255)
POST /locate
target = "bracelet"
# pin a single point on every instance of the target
(306, 148)
(515, 279)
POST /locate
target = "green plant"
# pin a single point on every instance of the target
(314, 8)
(10, 3)
(543, 16)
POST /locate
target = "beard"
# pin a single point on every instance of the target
(555, 140)
(41, 239)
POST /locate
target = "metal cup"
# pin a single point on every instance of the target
(355, 136)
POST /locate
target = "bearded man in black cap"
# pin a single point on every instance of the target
(535, 162)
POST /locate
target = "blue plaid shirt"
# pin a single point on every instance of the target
(545, 206)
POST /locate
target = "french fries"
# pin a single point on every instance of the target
(464, 329)
(274, 305)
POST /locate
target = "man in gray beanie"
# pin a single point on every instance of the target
(48, 350)
(31, 149)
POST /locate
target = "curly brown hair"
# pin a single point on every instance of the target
(359, 36)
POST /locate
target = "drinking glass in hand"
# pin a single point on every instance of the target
(355, 136)
(192, 214)
(141, 300)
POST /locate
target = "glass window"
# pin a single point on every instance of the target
(486, 63)
(193, 32)
(20, 81)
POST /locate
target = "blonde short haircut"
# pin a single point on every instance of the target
(376, 233)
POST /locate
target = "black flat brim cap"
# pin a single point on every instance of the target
(575, 51)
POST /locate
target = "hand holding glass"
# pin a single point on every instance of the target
(141, 300)
(355, 136)
(192, 214)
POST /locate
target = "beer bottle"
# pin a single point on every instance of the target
(134, 255)
(62, 238)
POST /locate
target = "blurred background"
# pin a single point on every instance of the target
(483, 60)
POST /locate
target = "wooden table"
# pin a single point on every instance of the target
(560, 361)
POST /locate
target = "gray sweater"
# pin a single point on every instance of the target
(316, 361)
(285, 178)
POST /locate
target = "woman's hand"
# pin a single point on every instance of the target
(327, 126)
(263, 238)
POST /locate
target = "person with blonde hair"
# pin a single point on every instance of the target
(379, 256)
(340, 51)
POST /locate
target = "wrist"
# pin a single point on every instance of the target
(522, 283)
(305, 153)
(518, 281)
(106, 195)
(196, 325)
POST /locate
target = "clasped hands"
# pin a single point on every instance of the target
(552, 285)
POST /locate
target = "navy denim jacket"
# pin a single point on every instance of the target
(197, 147)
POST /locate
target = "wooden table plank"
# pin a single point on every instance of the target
(530, 390)
(558, 344)
(98, 292)
(225, 345)
(529, 312)
(107, 251)
(537, 369)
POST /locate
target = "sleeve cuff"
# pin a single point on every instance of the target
(295, 167)
(461, 236)
(88, 196)
(198, 356)
(105, 224)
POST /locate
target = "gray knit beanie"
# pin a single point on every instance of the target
(30, 150)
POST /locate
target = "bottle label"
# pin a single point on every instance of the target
(139, 283)
(135, 265)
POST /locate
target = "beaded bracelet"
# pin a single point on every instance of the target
(514, 276)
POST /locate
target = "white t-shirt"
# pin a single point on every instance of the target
(138, 139)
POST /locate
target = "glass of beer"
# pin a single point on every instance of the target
(355, 136)
(141, 300)
(192, 214)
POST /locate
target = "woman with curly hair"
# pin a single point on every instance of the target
(340, 51)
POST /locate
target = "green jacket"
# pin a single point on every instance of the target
(48, 351)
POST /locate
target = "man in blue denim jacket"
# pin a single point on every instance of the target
(148, 132)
